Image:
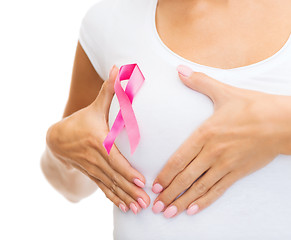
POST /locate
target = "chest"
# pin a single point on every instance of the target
(224, 36)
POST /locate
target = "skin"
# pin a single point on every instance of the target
(217, 34)
(227, 147)
(75, 157)
(75, 162)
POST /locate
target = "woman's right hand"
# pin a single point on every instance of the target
(77, 141)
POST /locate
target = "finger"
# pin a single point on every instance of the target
(216, 90)
(112, 197)
(106, 93)
(93, 162)
(130, 188)
(182, 182)
(98, 176)
(98, 164)
(179, 160)
(115, 159)
(197, 189)
(214, 193)
(117, 193)
(120, 164)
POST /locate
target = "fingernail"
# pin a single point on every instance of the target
(170, 211)
(142, 203)
(184, 70)
(157, 188)
(158, 207)
(133, 208)
(192, 209)
(138, 182)
(122, 207)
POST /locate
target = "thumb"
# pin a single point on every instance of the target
(106, 93)
(216, 90)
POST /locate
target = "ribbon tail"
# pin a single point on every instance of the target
(128, 116)
(113, 133)
(131, 127)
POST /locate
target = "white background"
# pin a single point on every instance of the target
(37, 46)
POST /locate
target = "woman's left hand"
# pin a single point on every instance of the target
(246, 132)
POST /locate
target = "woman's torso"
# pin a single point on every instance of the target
(255, 207)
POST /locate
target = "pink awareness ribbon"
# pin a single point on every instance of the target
(126, 116)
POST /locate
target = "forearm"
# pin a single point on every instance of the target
(70, 182)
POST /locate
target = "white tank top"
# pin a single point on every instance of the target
(257, 206)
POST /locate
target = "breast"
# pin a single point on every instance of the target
(167, 112)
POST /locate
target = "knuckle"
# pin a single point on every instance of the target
(111, 160)
(106, 191)
(210, 130)
(114, 158)
(184, 179)
(107, 195)
(218, 190)
(217, 151)
(113, 188)
(207, 131)
(195, 144)
(200, 187)
(227, 164)
(178, 161)
(167, 197)
(114, 179)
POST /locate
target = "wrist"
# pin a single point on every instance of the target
(51, 142)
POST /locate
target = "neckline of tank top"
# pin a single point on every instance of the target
(253, 66)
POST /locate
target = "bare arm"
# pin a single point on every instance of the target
(85, 86)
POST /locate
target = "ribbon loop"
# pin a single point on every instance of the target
(126, 116)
